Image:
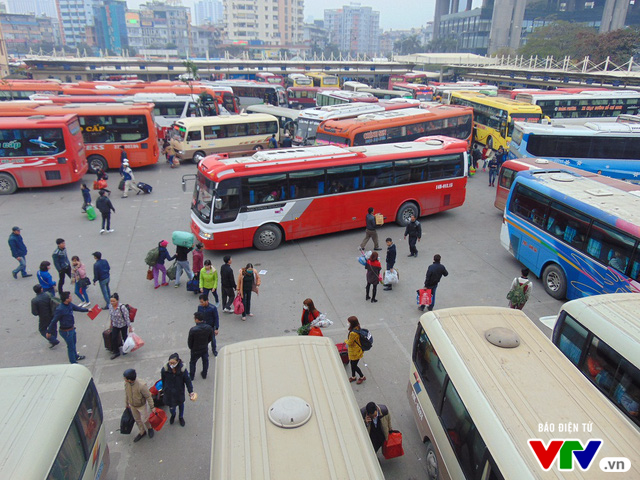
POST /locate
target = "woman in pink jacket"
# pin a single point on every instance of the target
(79, 277)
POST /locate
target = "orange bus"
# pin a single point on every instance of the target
(23, 89)
(105, 128)
(398, 126)
(39, 151)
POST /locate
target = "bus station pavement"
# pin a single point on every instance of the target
(323, 268)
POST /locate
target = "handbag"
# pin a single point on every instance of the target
(392, 446)
(150, 274)
(84, 282)
(157, 419)
(390, 277)
(238, 306)
(255, 289)
(171, 271)
(126, 422)
(315, 332)
(424, 296)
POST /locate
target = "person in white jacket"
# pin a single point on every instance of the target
(129, 180)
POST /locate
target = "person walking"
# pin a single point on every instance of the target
(61, 262)
(198, 342)
(19, 252)
(163, 254)
(414, 231)
(208, 280)
(64, 315)
(493, 170)
(44, 277)
(370, 231)
(101, 275)
(309, 312)
(247, 281)
(354, 350)
(378, 422)
(104, 205)
(476, 155)
(520, 290)
(129, 180)
(501, 156)
(435, 272)
(86, 197)
(120, 325)
(43, 307)
(273, 143)
(286, 141)
(182, 260)
(197, 260)
(138, 399)
(390, 260)
(102, 175)
(228, 284)
(210, 317)
(175, 378)
(373, 268)
(81, 281)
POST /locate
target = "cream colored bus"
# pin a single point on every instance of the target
(51, 427)
(195, 138)
(283, 409)
(490, 392)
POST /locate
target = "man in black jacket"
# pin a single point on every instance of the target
(43, 307)
(370, 230)
(104, 205)
(435, 272)
(199, 339)
(390, 260)
(228, 284)
(414, 230)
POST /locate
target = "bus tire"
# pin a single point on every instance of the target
(490, 142)
(97, 161)
(404, 213)
(257, 148)
(554, 281)
(198, 157)
(8, 184)
(433, 472)
(267, 237)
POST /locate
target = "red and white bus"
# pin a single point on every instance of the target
(39, 151)
(270, 78)
(303, 97)
(418, 91)
(411, 77)
(105, 128)
(279, 195)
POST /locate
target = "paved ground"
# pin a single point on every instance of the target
(323, 268)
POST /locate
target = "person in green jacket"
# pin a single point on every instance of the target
(209, 280)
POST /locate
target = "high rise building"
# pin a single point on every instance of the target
(25, 32)
(110, 26)
(208, 12)
(159, 26)
(38, 7)
(276, 22)
(354, 29)
(75, 16)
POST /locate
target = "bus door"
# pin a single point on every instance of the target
(226, 208)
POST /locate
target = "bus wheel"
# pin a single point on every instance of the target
(404, 213)
(432, 462)
(267, 237)
(97, 162)
(7, 184)
(257, 148)
(554, 281)
(198, 157)
(490, 142)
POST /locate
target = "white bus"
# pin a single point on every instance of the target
(601, 337)
(287, 117)
(283, 408)
(195, 138)
(487, 388)
(52, 424)
(353, 86)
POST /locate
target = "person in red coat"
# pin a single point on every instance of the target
(309, 312)
(373, 268)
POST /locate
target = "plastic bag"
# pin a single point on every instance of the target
(238, 306)
(321, 321)
(390, 277)
(132, 343)
(364, 256)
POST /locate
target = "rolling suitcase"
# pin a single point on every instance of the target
(146, 188)
(342, 350)
(106, 337)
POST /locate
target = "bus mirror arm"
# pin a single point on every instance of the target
(185, 178)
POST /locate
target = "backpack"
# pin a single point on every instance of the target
(152, 256)
(366, 339)
(517, 296)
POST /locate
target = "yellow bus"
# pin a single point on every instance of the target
(283, 408)
(493, 117)
(321, 79)
(490, 393)
(195, 138)
(52, 424)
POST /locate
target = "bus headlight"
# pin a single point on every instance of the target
(180, 152)
(206, 236)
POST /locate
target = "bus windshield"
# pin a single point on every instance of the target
(328, 139)
(307, 129)
(203, 195)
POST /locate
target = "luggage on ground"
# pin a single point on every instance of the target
(392, 446)
(343, 352)
(126, 422)
(183, 239)
(106, 337)
(91, 213)
(145, 187)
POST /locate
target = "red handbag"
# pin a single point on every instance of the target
(157, 419)
(315, 332)
(425, 296)
(392, 447)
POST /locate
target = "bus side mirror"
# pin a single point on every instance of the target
(218, 204)
(185, 178)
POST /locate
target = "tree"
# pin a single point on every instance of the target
(619, 45)
(559, 39)
(191, 75)
(445, 44)
(407, 45)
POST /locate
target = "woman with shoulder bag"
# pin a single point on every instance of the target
(175, 378)
(309, 312)
(354, 349)
(373, 268)
(79, 277)
(120, 325)
(248, 281)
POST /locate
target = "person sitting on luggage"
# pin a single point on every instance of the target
(378, 422)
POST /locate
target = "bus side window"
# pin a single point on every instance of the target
(348, 177)
(71, 458)
(194, 136)
(429, 367)
(616, 248)
(572, 339)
